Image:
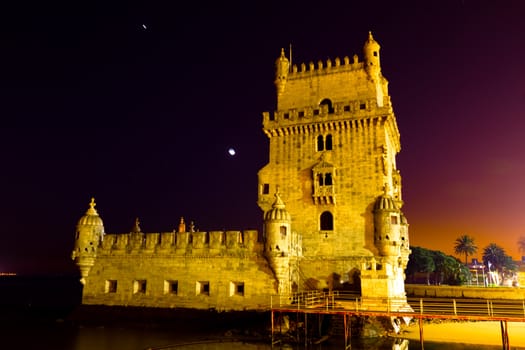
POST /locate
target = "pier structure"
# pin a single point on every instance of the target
(347, 305)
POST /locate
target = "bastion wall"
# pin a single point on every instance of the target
(201, 270)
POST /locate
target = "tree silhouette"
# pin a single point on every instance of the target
(496, 259)
(465, 245)
(421, 260)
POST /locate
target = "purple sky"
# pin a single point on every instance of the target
(93, 104)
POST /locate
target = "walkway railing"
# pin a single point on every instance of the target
(347, 305)
(338, 301)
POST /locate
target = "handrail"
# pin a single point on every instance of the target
(447, 307)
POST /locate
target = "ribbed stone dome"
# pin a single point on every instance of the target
(278, 211)
(385, 202)
(91, 217)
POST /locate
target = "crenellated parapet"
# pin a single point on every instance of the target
(327, 67)
(200, 243)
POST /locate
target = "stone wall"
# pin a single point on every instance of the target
(418, 290)
(183, 269)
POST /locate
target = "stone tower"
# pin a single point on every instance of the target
(89, 234)
(333, 141)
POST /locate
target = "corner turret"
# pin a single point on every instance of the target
(277, 229)
(277, 246)
(90, 232)
(391, 228)
(282, 67)
(372, 61)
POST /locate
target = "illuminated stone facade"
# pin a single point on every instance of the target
(331, 197)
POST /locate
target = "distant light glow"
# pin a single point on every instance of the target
(144, 26)
(231, 152)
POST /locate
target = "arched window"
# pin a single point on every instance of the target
(327, 221)
(320, 143)
(324, 142)
(328, 103)
(320, 179)
(328, 142)
(328, 179)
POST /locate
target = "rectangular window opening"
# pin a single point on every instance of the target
(111, 286)
(171, 287)
(362, 106)
(266, 189)
(393, 219)
(139, 286)
(237, 288)
(203, 288)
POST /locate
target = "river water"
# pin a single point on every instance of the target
(35, 314)
(63, 336)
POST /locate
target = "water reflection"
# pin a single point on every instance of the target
(69, 337)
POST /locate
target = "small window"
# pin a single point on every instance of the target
(320, 143)
(328, 179)
(320, 179)
(327, 221)
(362, 106)
(301, 114)
(316, 112)
(393, 220)
(203, 288)
(328, 143)
(139, 287)
(326, 102)
(266, 189)
(282, 229)
(286, 115)
(346, 108)
(237, 288)
(171, 287)
(111, 286)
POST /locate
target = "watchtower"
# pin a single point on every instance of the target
(333, 141)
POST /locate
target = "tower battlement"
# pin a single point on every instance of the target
(327, 67)
(198, 243)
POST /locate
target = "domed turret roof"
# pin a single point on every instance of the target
(91, 217)
(385, 202)
(278, 211)
(370, 41)
(282, 59)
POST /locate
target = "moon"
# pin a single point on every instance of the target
(231, 152)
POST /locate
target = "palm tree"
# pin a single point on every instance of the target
(465, 245)
(498, 261)
(495, 255)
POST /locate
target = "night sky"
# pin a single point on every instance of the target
(137, 103)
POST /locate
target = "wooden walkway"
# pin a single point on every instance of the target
(348, 305)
